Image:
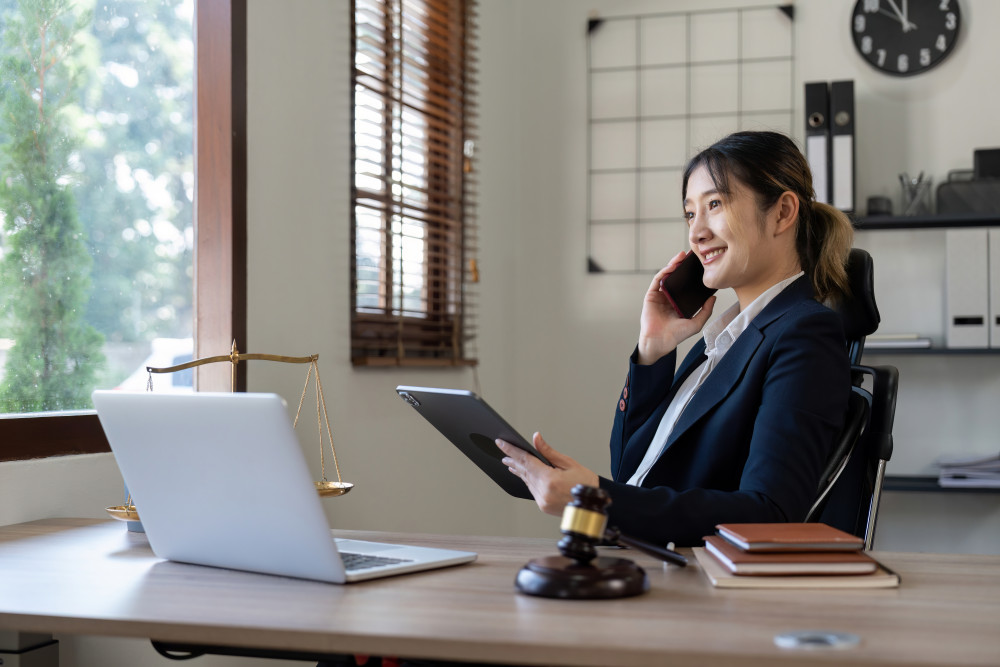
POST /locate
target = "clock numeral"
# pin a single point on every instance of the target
(925, 57)
(866, 44)
(903, 62)
(871, 6)
(950, 21)
(944, 5)
(859, 23)
(941, 43)
(880, 54)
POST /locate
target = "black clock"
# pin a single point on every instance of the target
(905, 37)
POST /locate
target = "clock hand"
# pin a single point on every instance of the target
(901, 17)
(890, 15)
(899, 14)
(907, 24)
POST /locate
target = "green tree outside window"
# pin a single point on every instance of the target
(96, 192)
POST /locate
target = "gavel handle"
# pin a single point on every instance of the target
(614, 536)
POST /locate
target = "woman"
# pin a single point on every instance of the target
(740, 431)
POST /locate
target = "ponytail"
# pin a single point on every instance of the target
(823, 240)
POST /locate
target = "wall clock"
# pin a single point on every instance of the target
(905, 37)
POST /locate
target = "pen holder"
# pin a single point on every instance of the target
(134, 525)
(916, 196)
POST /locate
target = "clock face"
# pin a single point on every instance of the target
(905, 37)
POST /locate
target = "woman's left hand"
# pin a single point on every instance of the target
(550, 486)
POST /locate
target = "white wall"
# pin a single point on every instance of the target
(554, 339)
(580, 327)
(299, 274)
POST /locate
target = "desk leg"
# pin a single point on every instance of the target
(28, 649)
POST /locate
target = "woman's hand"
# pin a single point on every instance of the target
(661, 329)
(549, 486)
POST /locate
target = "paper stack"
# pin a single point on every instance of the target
(789, 555)
(970, 471)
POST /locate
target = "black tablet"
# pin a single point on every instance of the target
(472, 426)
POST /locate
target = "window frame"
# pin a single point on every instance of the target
(441, 333)
(220, 233)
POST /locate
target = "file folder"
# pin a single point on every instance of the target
(817, 107)
(842, 145)
(994, 262)
(967, 288)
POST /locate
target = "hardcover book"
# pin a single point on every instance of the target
(788, 537)
(788, 562)
(723, 578)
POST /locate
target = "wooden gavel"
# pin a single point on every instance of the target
(584, 526)
(579, 573)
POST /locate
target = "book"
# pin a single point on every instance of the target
(897, 343)
(788, 537)
(970, 470)
(788, 562)
(969, 481)
(720, 577)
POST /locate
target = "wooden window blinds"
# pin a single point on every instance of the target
(413, 213)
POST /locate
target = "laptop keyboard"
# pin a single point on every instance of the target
(354, 561)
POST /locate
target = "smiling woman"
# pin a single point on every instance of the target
(157, 286)
(739, 431)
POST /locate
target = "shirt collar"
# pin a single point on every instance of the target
(722, 332)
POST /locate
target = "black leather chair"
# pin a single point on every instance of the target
(851, 485)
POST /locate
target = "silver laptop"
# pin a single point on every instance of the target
(219, 479)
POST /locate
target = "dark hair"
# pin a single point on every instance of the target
(770, 164)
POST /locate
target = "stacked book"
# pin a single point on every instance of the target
(789, 555)
(982, 471)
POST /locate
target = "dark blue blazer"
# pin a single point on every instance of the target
(751, 444)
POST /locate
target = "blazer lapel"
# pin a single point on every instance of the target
(723, 378)
(632, 455)
(721, 381)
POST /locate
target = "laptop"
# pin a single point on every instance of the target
(219, 479)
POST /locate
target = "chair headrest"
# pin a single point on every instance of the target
(858, 310)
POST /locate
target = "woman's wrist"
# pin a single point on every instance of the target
(649, 351)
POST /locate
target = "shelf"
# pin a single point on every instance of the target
(882, 222)
(929, 484)
(924, 351)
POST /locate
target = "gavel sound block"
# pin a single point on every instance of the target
(579, 573)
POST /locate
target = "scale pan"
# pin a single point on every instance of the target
(330, 489)
(123, 512)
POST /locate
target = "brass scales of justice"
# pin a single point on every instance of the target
(324, 487)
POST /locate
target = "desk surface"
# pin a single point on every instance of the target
(86, 577)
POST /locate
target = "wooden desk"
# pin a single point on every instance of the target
(87, 577)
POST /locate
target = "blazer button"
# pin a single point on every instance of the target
(621, 405)
(625, 392)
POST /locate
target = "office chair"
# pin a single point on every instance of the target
(851, 484)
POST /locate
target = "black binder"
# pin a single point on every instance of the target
(842, 145)
(818, 137)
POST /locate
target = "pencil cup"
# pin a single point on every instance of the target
(917, 196)
(133, 526)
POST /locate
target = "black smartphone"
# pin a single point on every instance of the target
(684, 287)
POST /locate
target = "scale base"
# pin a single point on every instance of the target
(561, 577)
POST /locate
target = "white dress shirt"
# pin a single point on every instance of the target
(719, 334)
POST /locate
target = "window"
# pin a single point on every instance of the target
(414, 233)
(219, 272)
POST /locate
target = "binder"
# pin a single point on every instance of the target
(842, 145)
(994, 262)
(817, 109)
(967, 287)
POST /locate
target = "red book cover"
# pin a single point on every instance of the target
(788, 537)
(788, 562)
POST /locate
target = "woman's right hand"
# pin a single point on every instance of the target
(661, 329)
